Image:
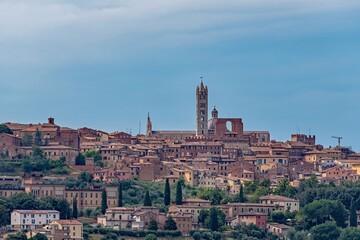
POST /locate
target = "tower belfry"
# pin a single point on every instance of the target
(148, 126)
(201, 109)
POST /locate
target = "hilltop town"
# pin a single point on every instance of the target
(220, 180)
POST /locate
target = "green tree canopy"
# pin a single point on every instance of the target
(38, 138)
(85, 176)
(170, 224)
(40, 236)
(104, 205)
(37, 153)
(151, 237)
(206, 220)
(167, 196)
(352, 233)
(278, 217)
(153, 225)
(328, 231)
(241, 197)
(196, 236)
(285, 189)
(17, 236)
(320, 211)
(147, 199)
(213, 219)
(353, 215)
(75, 209)
(80, 159)
(179, 197)
(27, 139)
(5, 129)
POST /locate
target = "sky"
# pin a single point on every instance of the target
(284, 66)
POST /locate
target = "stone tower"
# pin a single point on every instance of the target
(201, 110)
(148, 126)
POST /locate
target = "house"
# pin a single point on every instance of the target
(32, 219)
(259, 219)
(289, 204)
(67, 229)
(235, 209)
(280, 229)
(119, 216)
(183, 221)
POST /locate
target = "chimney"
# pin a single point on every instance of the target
(51, 120)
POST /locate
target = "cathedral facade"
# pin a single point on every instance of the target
(217, 129)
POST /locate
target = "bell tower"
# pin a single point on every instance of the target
(201, 110)
(148, 126)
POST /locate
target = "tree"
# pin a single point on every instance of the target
(40, 236)
(153, 225)
(27, 139)
(178, 199)
(17, 236)
(120, 200)
(215, 195)
(5, 129)
(104, 205)
(241, 197)
(353, 215)
(75, 209)
(147, 200)
(196, 236)
(170, 224)
(37, 138)
(278, 217)
(80, 159)
(203, 215)
(285, 189)
(352, 233)
(217, 236)
(167, 193)
(151, 237)
(213, 219)
(85, 176)
(4, 214)
(63, 207)
(37, 153)
(328, 231)
(96, 156)
(320, 211)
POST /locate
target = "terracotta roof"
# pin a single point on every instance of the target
(194, 200)
(35, 211)
(68, 222)
(278, 198)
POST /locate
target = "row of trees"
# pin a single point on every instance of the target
(29, 202)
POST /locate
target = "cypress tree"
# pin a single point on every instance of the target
(213, 219)
(104, 205)
(153, 225)
(75, 210)
(167, 193)
(147, 200)
(120, 203)
(178, 199)
(38, 138)
(170, 224)
(353, 215)
(241, 194)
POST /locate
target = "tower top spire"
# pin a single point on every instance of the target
(202, 87)
(148, 126)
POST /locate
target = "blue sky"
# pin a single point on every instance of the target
(282, 66)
